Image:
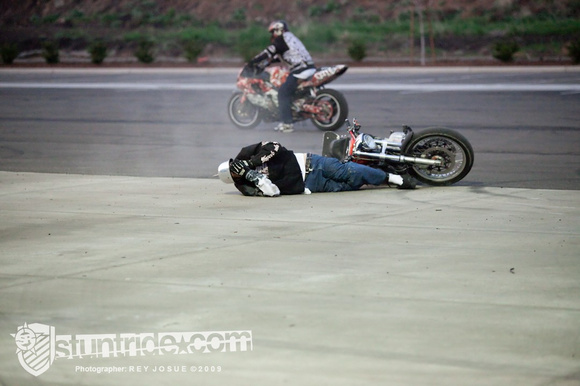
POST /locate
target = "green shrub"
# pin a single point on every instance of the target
(238, 17)
(44, 20)
(251, 41)
(320, 10)
(111, 20)
(193, 48)
(164, 20)
(50, 52)
(505, 50)
(76, 17)
(145, 51)
(9, 52)
(357, 50)
(98, 51)
(318, 37)
(316, 11)
(574, 51)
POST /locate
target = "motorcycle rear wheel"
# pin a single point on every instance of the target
(335, 108)
(244, 115)
(446, 145)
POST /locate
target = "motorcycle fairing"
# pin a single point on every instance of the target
(278, 75)
(323, 75)
(310, 101)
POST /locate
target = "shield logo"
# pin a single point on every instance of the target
(35, 347)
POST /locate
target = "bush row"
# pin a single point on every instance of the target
(192, 44)
(98, 50)
(145, 51)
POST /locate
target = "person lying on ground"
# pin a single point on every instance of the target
(269, 169)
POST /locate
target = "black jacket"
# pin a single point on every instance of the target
(275, 161)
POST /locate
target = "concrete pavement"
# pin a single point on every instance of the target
(436, 286)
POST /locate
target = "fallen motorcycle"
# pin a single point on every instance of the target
(257, 98)
(434, 156)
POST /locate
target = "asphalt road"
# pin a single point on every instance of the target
(469, 285)
(523, 123)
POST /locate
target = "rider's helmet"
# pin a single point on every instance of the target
(277, 28)
(224, 172)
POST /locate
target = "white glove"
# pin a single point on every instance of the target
(267, 187)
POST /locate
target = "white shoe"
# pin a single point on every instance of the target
(403, 182)
(395, 179)
(285, 127)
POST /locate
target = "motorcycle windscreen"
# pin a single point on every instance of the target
(334, 146)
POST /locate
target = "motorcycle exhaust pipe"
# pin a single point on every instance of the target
(401, 158)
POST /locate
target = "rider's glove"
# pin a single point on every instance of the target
(240, 167)
(263, 183)
(253, 176)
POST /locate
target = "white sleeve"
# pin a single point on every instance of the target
(268, 187)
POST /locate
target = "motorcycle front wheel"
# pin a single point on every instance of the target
(334, 110)
(446, 145)
(243, 114)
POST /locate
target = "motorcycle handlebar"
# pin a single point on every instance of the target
(355, 125)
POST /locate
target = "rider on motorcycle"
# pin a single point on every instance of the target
(288, 48)
(269, 169)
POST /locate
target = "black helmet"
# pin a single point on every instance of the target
(278, 27)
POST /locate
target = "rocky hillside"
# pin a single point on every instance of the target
(74, 23)
(24, 12)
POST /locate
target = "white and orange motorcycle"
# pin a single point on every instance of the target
(256, 99)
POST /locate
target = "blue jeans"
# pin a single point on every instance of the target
(285, 95)
(330, 175)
